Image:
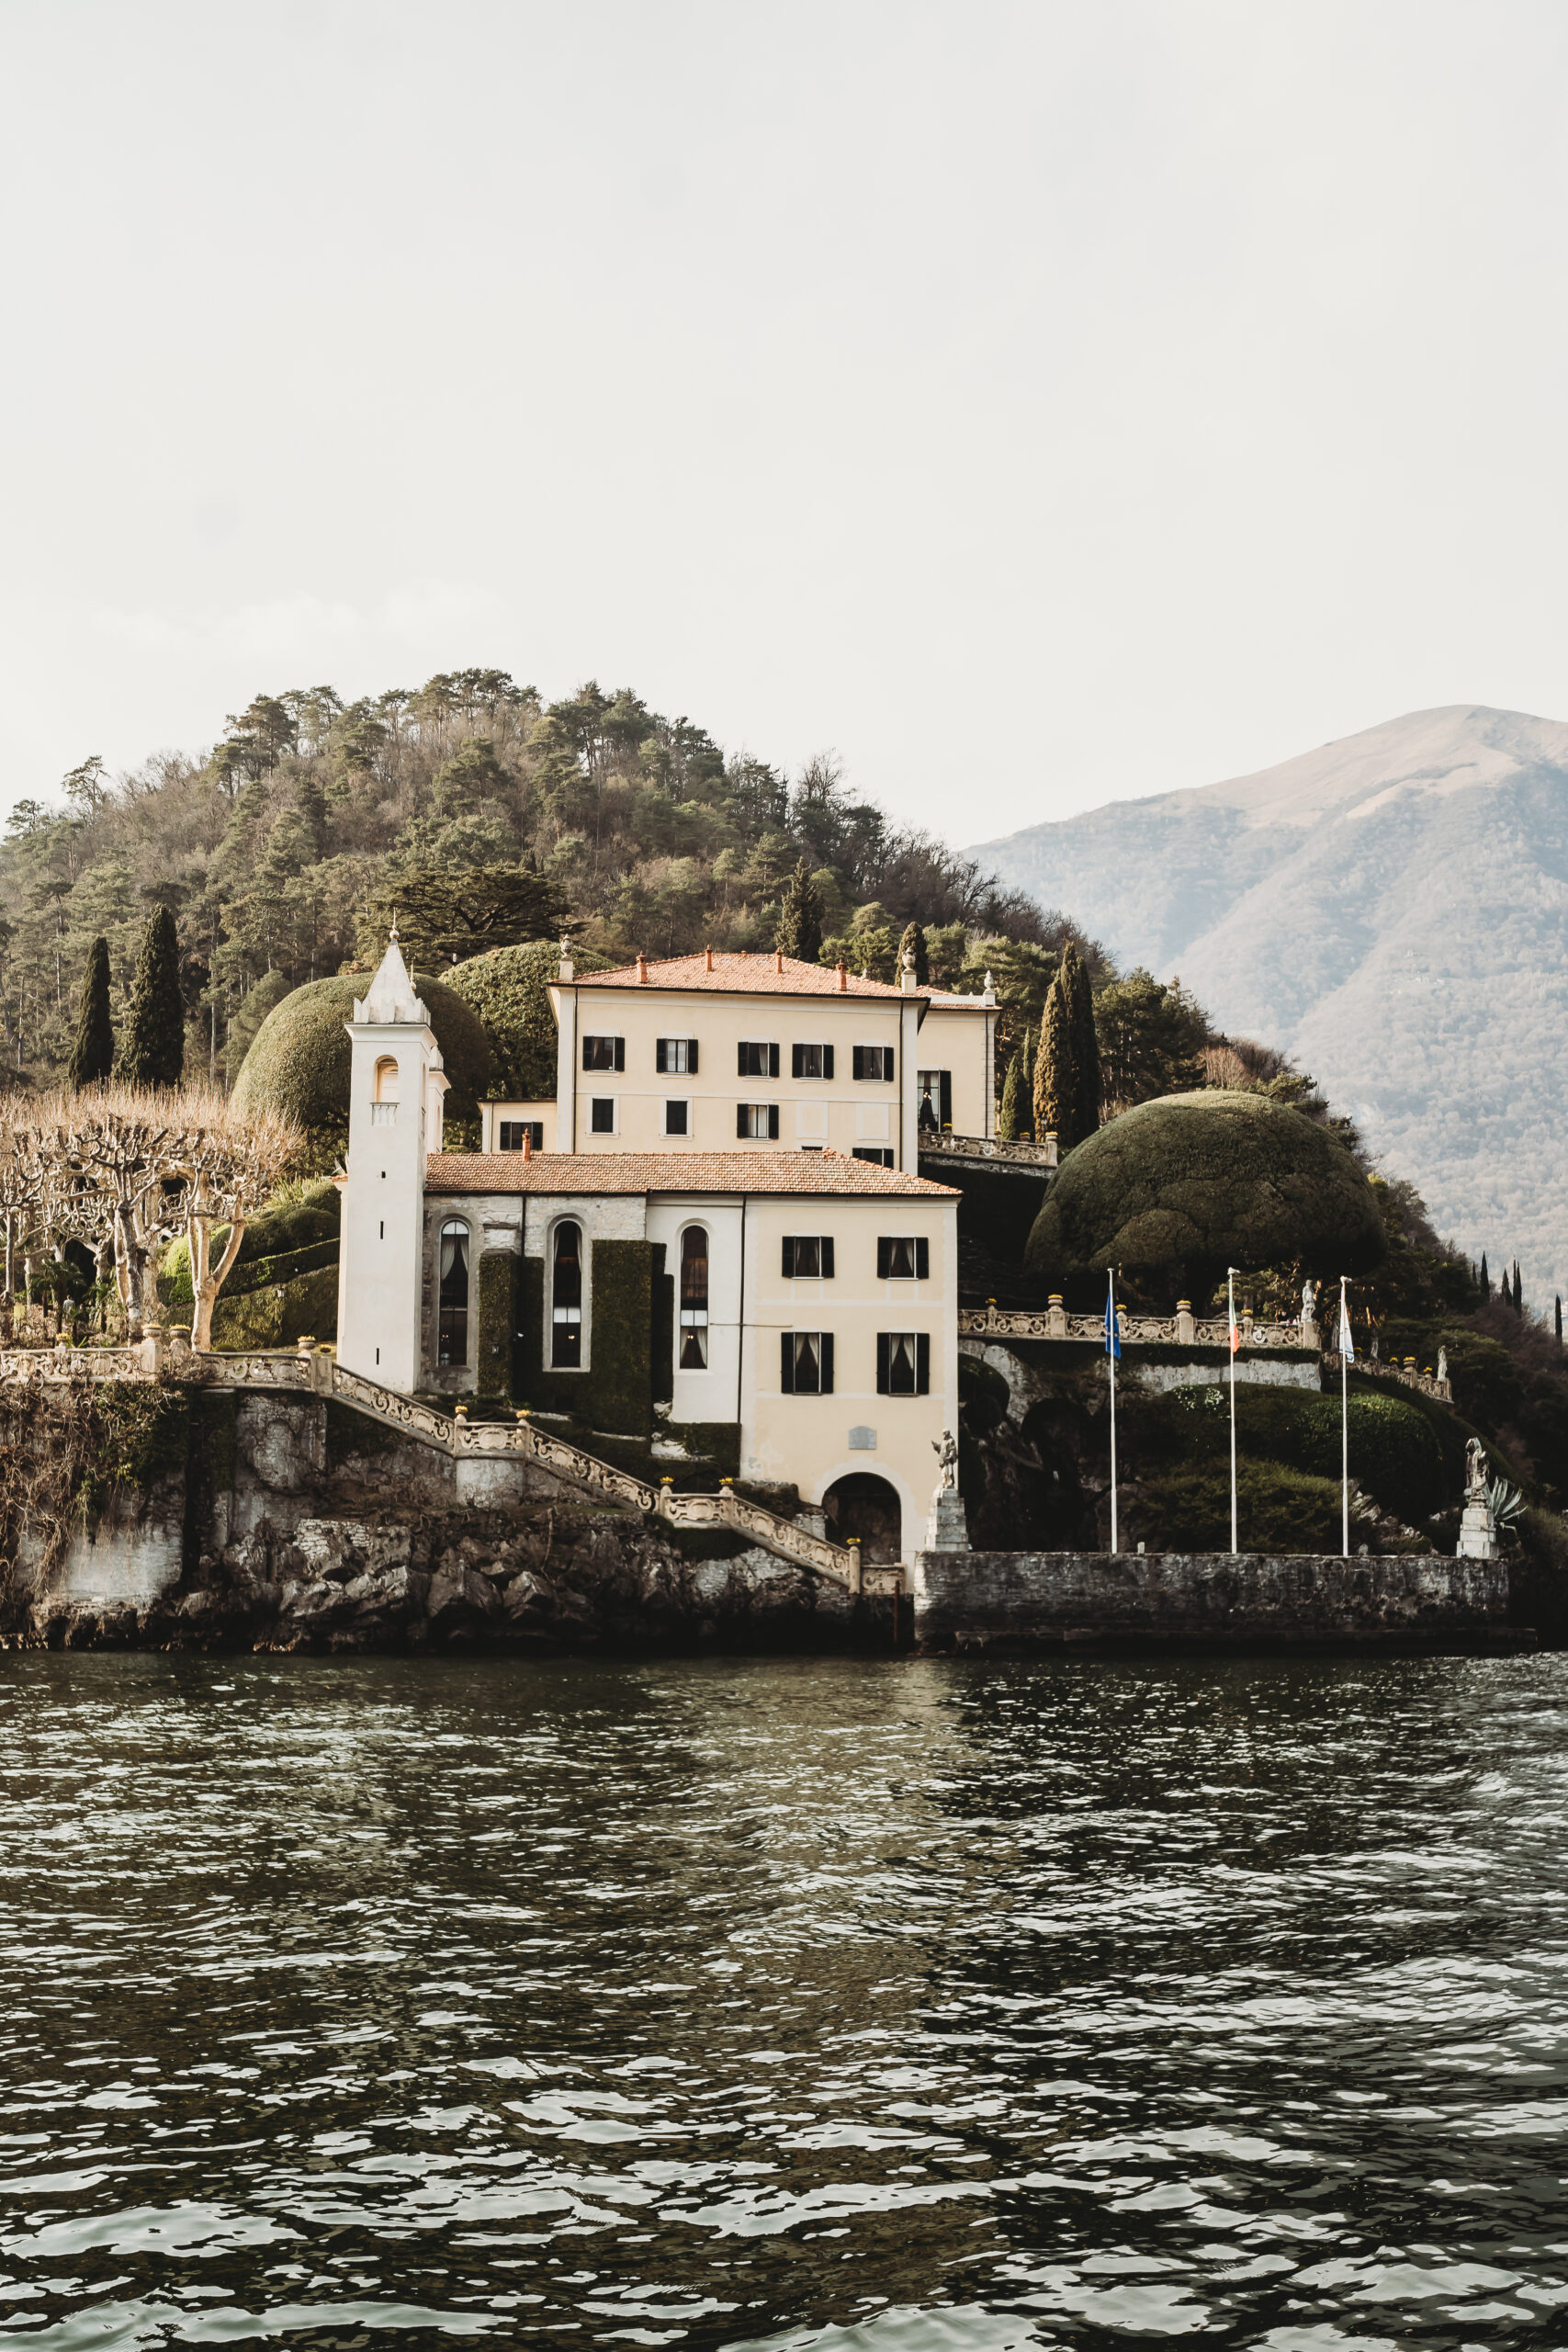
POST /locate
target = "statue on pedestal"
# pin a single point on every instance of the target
(1478, 1528)
(947, 1528)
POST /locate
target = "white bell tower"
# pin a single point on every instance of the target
(394, 1120)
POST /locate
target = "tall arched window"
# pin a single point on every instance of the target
(566, 1296)
(694, 1299)
(383, 1095)
(453, 1325)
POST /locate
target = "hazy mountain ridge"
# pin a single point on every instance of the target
(1393, 909)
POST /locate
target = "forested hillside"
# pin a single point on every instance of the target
(485, 817)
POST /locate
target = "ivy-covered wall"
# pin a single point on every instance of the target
(663, 1328)
(616, 1391)
(498, 1317)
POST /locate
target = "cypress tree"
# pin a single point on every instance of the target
(914, 943)
(1079, 1000)
(800, 919)
(1012, 1100)
(91, 1053)
(1055, 1076)
(1519, 1289)
(1485, 1278)
(1560, 1318)
(155, 1038)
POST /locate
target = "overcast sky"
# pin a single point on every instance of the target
(1040, 405)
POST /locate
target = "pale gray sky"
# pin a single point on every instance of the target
(1040, 405)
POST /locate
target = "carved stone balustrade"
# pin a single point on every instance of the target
(1016, 1155)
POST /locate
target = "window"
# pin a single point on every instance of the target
(903, 1364)
(757, 1122)
(811, 1061)
(603, 1053)
(905, 1258)
(877, 1158)
(808, 1256)
(677, 1118)
(602, 1114)
(566, 1297)
(694, 1299)
(514, 1131)
(384, 1093)
(873, 1061)
(451, 1320)
(933, 1092)
(676, 1055)
(806, 1363)
(756, 1061)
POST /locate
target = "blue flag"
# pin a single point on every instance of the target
(1112, 1336)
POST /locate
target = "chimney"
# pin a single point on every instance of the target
(778, 959)
(528, 1145)
(843, 977)
(641, 969)
(567, 968)
(707, 960)
(907, 977)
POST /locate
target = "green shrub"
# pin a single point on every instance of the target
(1394, 1452)
(1278, 1510)
(497, 1312)
(1200, 1181)
(508, 989)
(267, 993)
(279, 1314)
(301, 1061)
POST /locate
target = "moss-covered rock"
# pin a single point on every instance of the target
(301, 1061)
(1202, 1181)
(508, 990)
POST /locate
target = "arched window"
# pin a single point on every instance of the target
(384, 1093)
(453, 1324)
(694, 1299)
(566, 1296)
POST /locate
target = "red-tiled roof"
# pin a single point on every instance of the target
(768, 974)
(672, 1171)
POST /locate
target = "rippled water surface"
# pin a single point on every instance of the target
(890, 2006)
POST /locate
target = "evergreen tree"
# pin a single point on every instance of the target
(1560, 1318)
(1485, 1278)
(92, 1054)
(1011, 1115)
(1080, 1000)
(800, 918)
(156, 1037)
(1518, 1289)
(1055, 1076)
(914, 943)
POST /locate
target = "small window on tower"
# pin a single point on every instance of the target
(384, 1093)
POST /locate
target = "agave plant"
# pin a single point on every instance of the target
(1506, 1502)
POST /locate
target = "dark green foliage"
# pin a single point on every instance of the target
(621, 1337)
(663, 1338)
(1537, 1573)
(799, 931)
(155, 1026)
(1485, 1278)
(301, 1060)
(1195, 1183)
(1009, 1120)
(1151, 1040)
(498, 1316)
(914, 943)
(1278, 1510)
(1395, 1453)
(92, 1052)
(714, 1444)
(1055, 1082)
(509, 992)
(307, 1306)
(268, 992)
(446, 916)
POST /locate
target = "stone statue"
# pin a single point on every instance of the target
(1443, 1366)
(1309, 1301)
(1474, 1469)
(947, 1528)
(1478, 1528)
(946, 1451)
(1374, 1350)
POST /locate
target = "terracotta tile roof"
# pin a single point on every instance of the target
(672, 1171)
(766, 975)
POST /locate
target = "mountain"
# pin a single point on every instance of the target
(1394, 910)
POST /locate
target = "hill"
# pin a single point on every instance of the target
(1392, 909)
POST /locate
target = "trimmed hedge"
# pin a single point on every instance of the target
(279, 1314)
(301, 1061)
(508, 989)
(1205, 1181)
(1278, 1510)
(1394, 1452)
(498, 1316)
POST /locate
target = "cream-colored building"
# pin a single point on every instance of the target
(711, 1053)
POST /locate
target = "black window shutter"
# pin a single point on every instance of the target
(922, 1257)
(740, 1121)
(887, 1063)
(826, 1344)
(587, 1054)
(789, 1256)
(661, 1057)
(773, 1061)
(797, 1061)
(857, 1061)
(883, 1258)
(692, 1055)
(881, 1363)
(739, 1062)
(774, 1119)
(922, 1364)
(947, 1098)
(787, 1362)
(826, 1061)
(826, 1246)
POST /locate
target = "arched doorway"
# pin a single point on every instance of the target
(864, 1505)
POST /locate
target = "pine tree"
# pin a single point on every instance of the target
(1079, 1000)
(914, 943)
(1519, 1289)
(800, 919)
(1485, 1278)
(1055, 1077)
(155, 1036)
(1560, 1318)
(92, 1054)
(1009, 1118)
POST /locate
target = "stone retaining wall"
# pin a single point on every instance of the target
(973, 1600)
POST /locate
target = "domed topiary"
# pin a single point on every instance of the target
(1202, 1181)
(267, 994)
(508, 987)
(301, 1060)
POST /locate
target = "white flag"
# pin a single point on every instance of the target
(1347, 1345)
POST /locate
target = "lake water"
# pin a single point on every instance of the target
(886, 2006)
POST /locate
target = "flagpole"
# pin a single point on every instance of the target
(1111, 1346)
(1230, 1293)
(1345, 1416)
